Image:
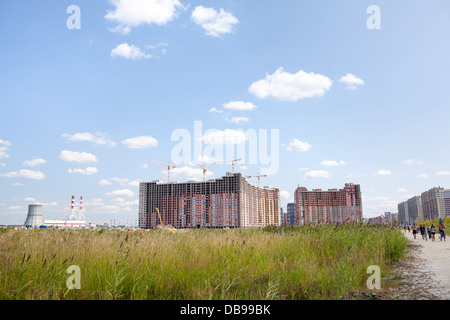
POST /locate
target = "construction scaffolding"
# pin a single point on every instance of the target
(227, 202)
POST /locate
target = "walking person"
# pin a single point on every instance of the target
(441, 229)
(414, 231)
(423, 232)
(433, 232)
(429, 232)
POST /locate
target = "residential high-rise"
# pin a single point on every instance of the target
(403, 216)
(227, 202)
(415, 210)
(291, 217)
(433, 203)
(332, 206)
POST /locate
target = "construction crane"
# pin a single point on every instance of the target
(259, 176)
(204, 172)
(159, 215)
(227, 161)
(168, 165)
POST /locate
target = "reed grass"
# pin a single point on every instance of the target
(287, 263)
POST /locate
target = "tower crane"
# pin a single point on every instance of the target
(204, 172)
(169, 166)
(259, 176)
(227, 161)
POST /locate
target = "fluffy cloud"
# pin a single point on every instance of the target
(88, 171)
(238, 120)
(443, 173)
(132, 13)
(34, 162)
(100, 138)
(318, 174)
(227, 136)
(351, 81)
(4, 142)
(213, 22)
(30, 199)
(383, 173)
(422, 176)
(121, 193)
(284, 195)
(328, 163)
(131, 52)
(3, 154)
(142, 142)
(215, 110)
(286, 86)
(80, 157)
(298, 146)
(402, 190)
(104, 182)
(239, 106)
(24, 173)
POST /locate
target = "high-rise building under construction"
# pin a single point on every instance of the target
(226, 202)
(332, 206)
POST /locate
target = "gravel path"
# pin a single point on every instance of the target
(426, 275)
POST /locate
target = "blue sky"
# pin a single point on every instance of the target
(83, 111)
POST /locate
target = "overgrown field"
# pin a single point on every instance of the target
(321, 262)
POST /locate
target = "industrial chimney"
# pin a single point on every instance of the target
(34, 217)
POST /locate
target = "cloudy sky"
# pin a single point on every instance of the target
(92, 91)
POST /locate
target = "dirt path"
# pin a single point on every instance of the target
(427, 274)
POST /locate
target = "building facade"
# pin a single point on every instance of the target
(433, 203)
(227, 202)
(332, 206)
(291, 217)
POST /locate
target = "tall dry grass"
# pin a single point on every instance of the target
(322, 262)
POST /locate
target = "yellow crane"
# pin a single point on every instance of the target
(168, 165)
(259, 176)
(227, 161)
(204, 172)
(159, 215)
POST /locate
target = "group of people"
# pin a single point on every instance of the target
(428, 232)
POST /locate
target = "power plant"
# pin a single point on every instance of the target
(34, 217)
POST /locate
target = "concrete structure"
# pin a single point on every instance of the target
(403, 216)
(34, 218)
(332, 206)
(415, 210)
(433, 203)
(291, 217)
(227, 202)
(65, 224)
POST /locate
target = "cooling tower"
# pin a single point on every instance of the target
(34, 217)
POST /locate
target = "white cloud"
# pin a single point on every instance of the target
(239, 106)
(351, 81)
(80, 157)
(34, 163)
(142, 142)
(144, 166)
(15, 207)
(30, 199)
(24, 173)
(215, 110)
(133, 13)
(213, 22)
(104, 182)
(410, 162)
(298, 146)
(329, 163)
(88, 171)
(4, 142)
(123, 203)
(2, 164)
(318, 174)
(422, 175)
(238, 120)
(100, 138)
(383, 173)
(121, 193)
(303, 169)
(291, 87)
(3, 154)
(127, 51)
(285, 195)
(402, 190)
(227, 136)
(443, 173)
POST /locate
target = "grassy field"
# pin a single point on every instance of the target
(321, 262)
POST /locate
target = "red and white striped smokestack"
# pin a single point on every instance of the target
(73, 202)
(81, 203)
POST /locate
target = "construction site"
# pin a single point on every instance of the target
(227, 202)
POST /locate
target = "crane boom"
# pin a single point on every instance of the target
(168, 165)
